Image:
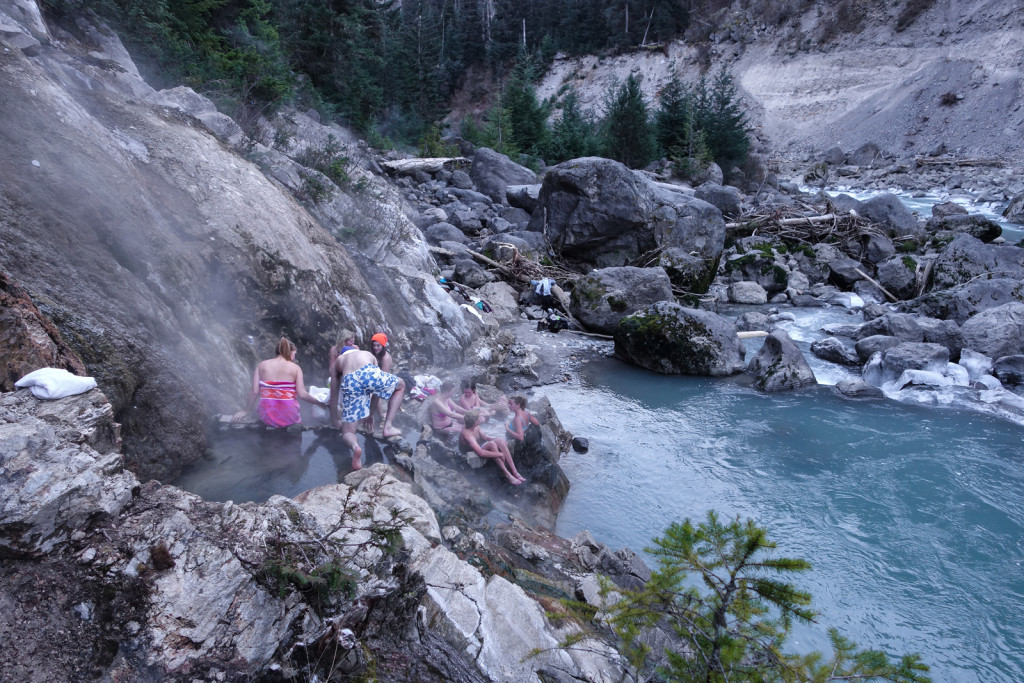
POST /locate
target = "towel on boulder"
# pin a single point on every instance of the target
(50, 383)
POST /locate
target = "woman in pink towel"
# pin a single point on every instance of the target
(277, 384)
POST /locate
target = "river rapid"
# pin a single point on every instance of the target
(912, 516)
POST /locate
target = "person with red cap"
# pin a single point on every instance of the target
(378, 347)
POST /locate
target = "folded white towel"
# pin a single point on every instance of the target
(55, 383)
(321, 416)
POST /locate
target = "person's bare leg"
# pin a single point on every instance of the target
(499, 458)
(394, 403)
(507, 454)
(348, 437)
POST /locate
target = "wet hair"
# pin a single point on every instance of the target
(519, 401)
(285, 348)
(470, 418)
(446, 386)
(344, 336)
(468, 384)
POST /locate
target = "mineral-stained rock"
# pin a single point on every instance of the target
(604, 296)
(670, 339)
(28, 339)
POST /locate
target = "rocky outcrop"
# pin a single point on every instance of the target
(345, 578)
(28, 339)
(673, 340)
(997, 331)
(157, 251)
(601, 213)
(967, 258)
(604, 296)
(975, 225)
(779, 365)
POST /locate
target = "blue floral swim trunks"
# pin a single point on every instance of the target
(357, 388)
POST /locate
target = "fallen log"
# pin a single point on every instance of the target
(429, 165)
(951, 161)
(803, 220)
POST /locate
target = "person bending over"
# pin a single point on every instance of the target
(277, 384)
(356, 377)
(471, 438)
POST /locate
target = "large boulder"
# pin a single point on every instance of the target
(898, 276)
(944, 332)
(974, 225)
(606, 295)
(899, 325)
(779, 365)
(964, 301)
(889, 365)
(1014, 211)
(523, 196)
(967, 258)
(834, 350)
(444, 232)
(492, 173)
(867, 154)
(890, 211)
(996, 332)
(725, 198)
(747, 293)
(673, 340)
(599, 212)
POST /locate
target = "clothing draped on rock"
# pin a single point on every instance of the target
(279, 404)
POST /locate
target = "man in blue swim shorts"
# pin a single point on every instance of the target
(356, 376)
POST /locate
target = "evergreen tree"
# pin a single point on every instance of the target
(627, 129)
(528, 118)
(673, 122)
(717, 112)
(572, 134)
(736, 630)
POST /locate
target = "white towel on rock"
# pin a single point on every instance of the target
(55, 383)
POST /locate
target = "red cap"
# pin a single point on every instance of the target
(380, 338)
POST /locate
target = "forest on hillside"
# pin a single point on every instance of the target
(389, 68)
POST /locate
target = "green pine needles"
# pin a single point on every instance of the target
(732, 624)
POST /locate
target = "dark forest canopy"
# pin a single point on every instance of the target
(388, 66)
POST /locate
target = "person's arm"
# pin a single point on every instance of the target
(442, 407)
(456, 407)
(331, 357)
(332, 402)
(386, 362)
(470, 438)
(514, 430)
(532, 417)
(254, 393)
(300, 390)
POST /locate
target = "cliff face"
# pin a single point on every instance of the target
(158, 249)
(872, 85)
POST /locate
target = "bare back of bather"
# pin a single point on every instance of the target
(355, 376)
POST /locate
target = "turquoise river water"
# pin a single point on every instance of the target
(913, 517)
